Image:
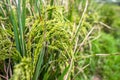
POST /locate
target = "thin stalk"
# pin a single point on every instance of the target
(80, 22)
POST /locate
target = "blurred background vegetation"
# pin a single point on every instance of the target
(60, 39)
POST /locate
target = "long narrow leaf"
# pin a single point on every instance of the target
(15, 28)
(22, 44)
(39, 64)
(64, 73)
(23, 13)
(50, 13)
(23, 21)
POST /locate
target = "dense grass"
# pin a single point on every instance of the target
(58, 40)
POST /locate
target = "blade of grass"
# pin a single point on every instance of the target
(39, 6)
(64, 73)
(46, 76)
(39, 64)
(22, 42)
(50, 13)
(15, 28)
(23, 20)
(23, 13)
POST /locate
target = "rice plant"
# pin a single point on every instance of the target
(48, 40)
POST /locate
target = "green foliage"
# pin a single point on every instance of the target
(107, 14)
(110, 15)
(105, 44)
(64, 73)
(111, 67)
(39, 64)
(64, 40)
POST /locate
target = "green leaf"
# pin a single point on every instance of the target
(46, 76)
(15, 28)
(64, 73)
(39, 64)
(21, 22)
